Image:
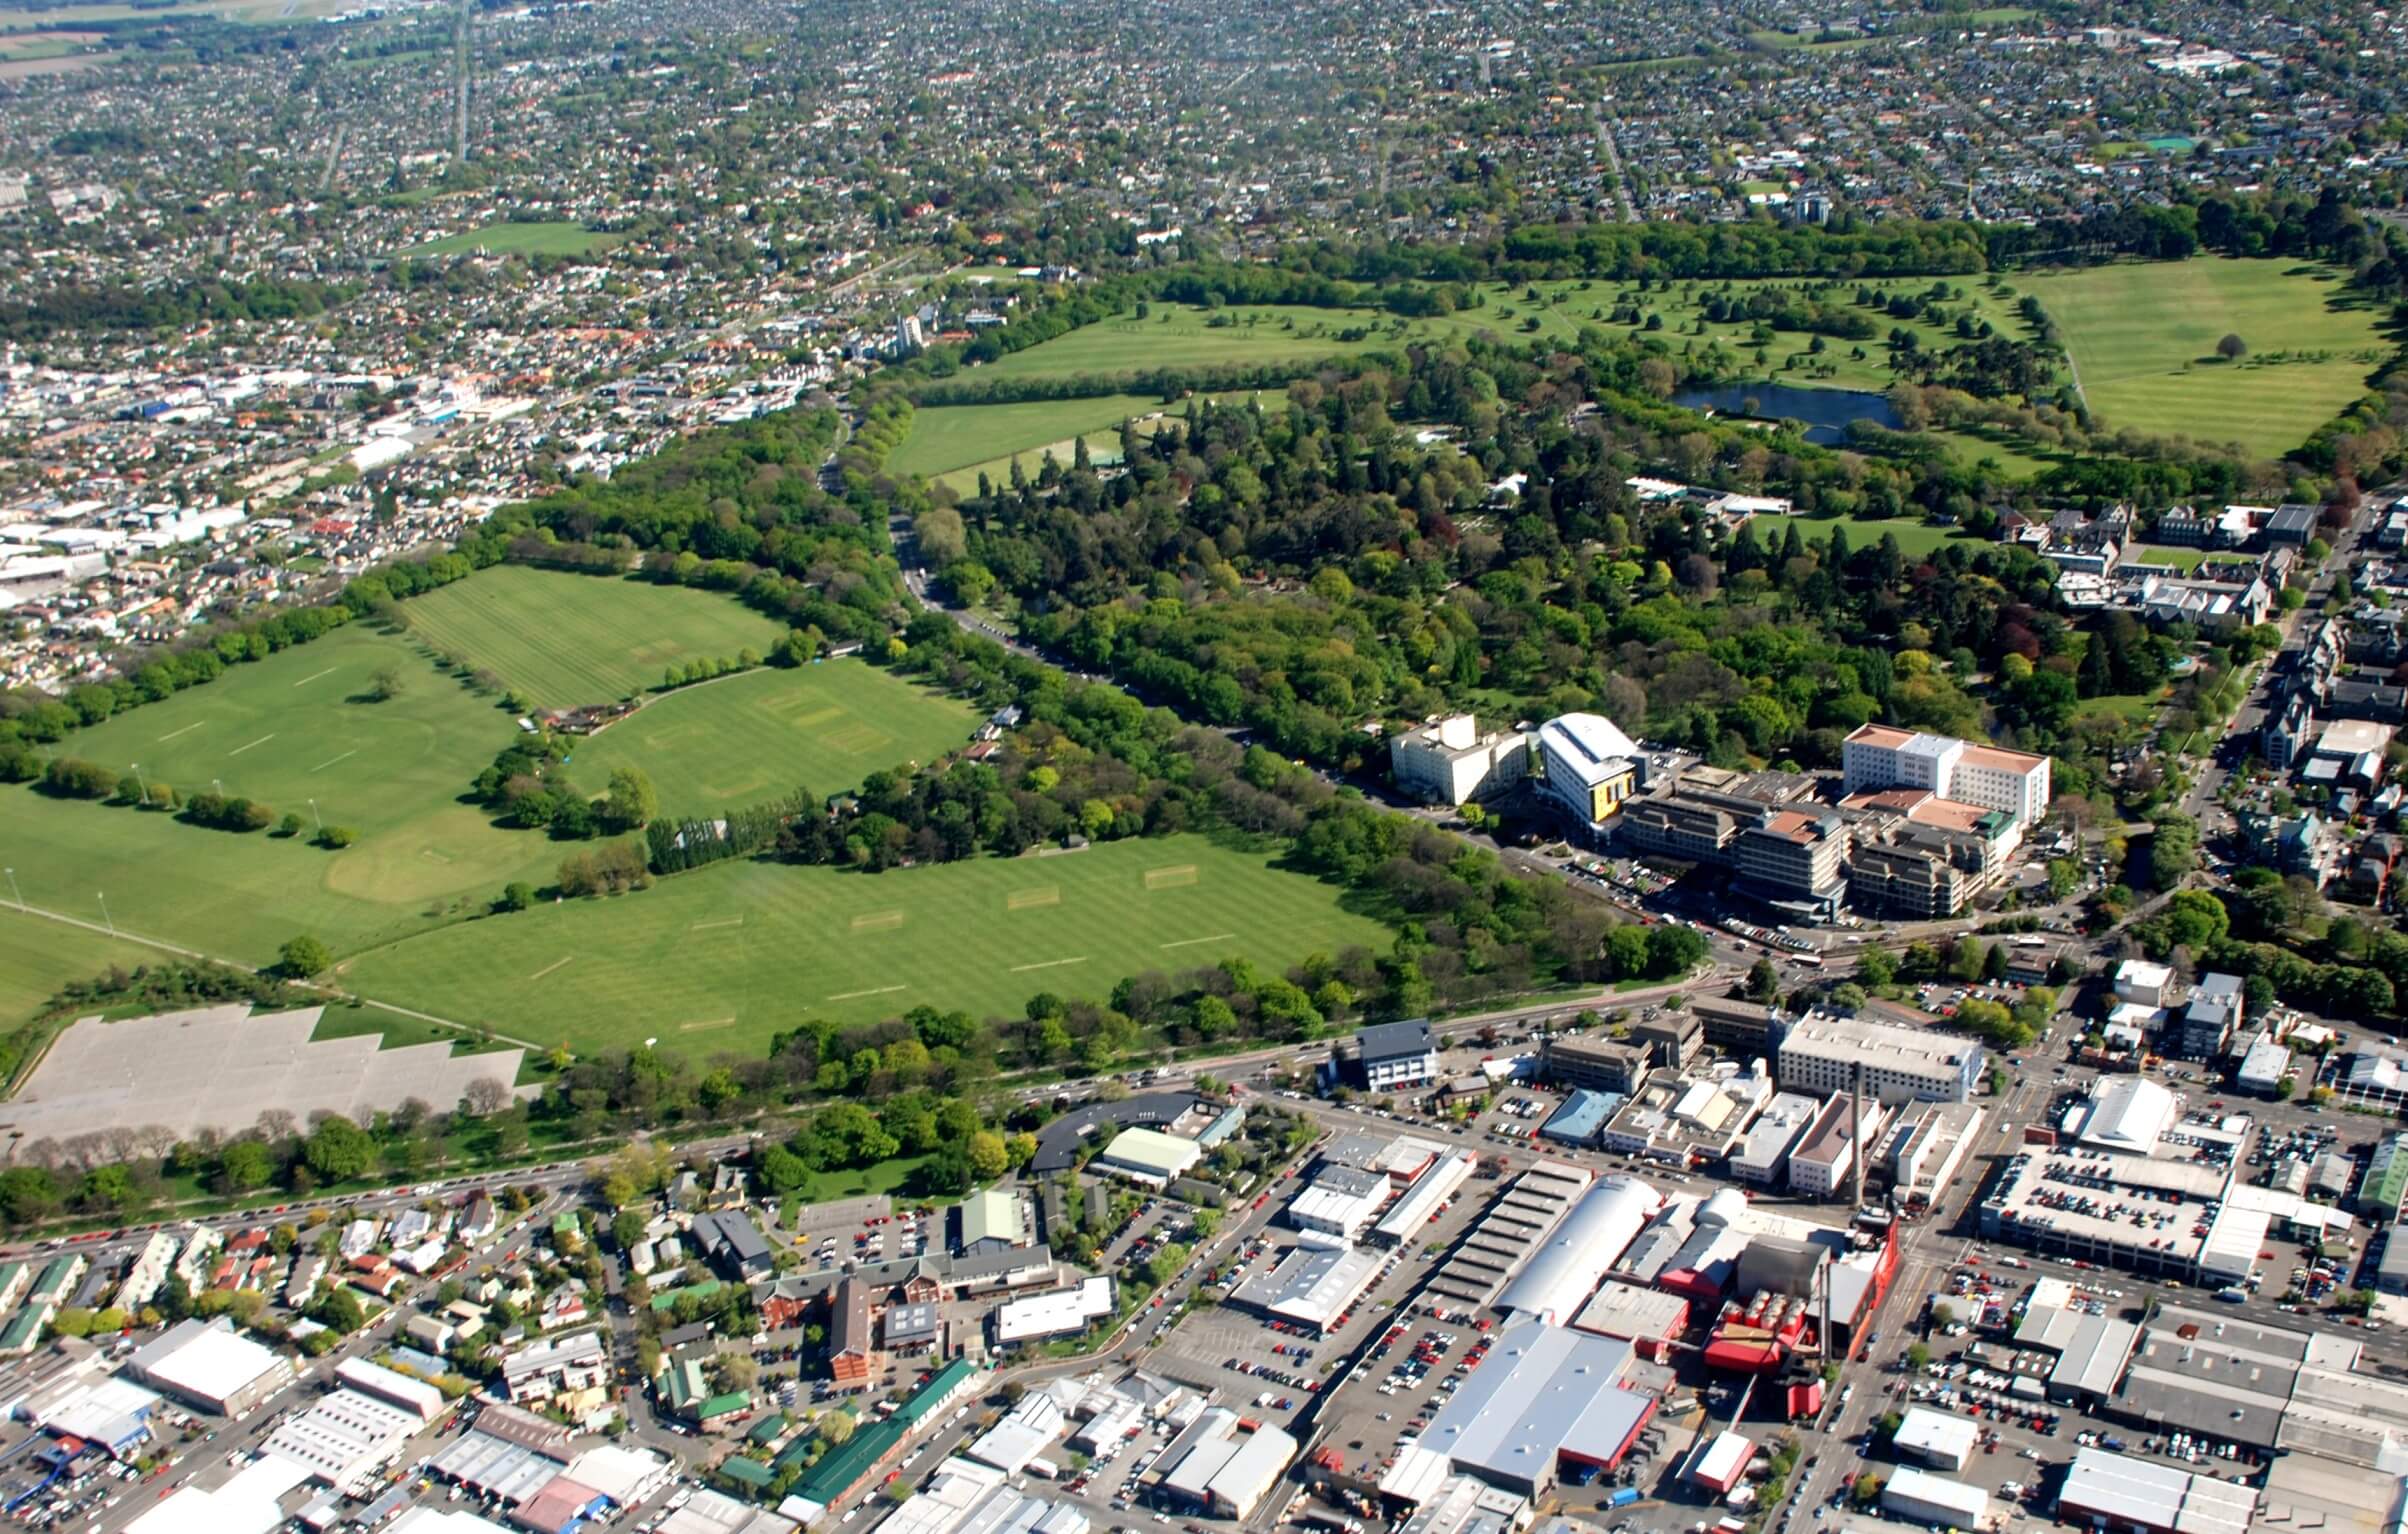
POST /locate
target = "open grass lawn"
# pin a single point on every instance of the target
(2144, 337)
(725, 956)
(725, 744)
(302, 725)
(2135, 707)
(344, 1021)
(895, 1176)
(1103, 445)
(37, 956)
(1914, 538)
(295, 727)
(568, 641)
(2183, 559)
(238, 898)
(1176, 335)
(42, 45)
(516, 239)
(956, 436)
(1562, 308)
(1971, 445)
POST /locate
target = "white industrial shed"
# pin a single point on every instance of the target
(250, 1503)
(1937, 1438)
(210, 1365)
(1411, 1214)
(1567, 1269)
(1935, 1499)
(1311, 1286)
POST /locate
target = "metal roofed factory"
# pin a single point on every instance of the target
(2143, 1494)
(1311, 1286)
(1563, 1273)
(1648, 1319)
(964, 1497)
(1412, 1213)
(1546, 1395)
(1507, 1231)
(1223, 1466)
(210, 1365)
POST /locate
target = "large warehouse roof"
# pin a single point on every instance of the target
(1311, 1284)
(1916, 1493)
(205, 1361)
(2155, 1496)
(1626, 1310)
(1544, 1392)
(1566, 1270)
(247, 1504)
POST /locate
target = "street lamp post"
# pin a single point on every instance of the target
(15, 893)
(103, 897)
(138, 783)
(314, 815)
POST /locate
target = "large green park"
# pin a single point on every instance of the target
(2139, 338)
(723, 957)
(380, 728)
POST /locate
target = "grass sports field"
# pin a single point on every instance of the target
(284, 731)
(955, 436)
(1176, 335)
(300, 726)
(724, 957)
(38, 956)
(1039, 429)
(566, 641)
(750, 737)
(238, 898)
(2144, 337)
(515, 239)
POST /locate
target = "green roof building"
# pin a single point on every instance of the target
(844, 1469)
(937, 1394)
(24, 1330)
(747, 1472)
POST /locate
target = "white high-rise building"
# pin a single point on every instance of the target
(1448, 760)
(1882, 756)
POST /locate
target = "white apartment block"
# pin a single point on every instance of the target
(1448, 761)
(2016, 783)
(1820, 1054)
